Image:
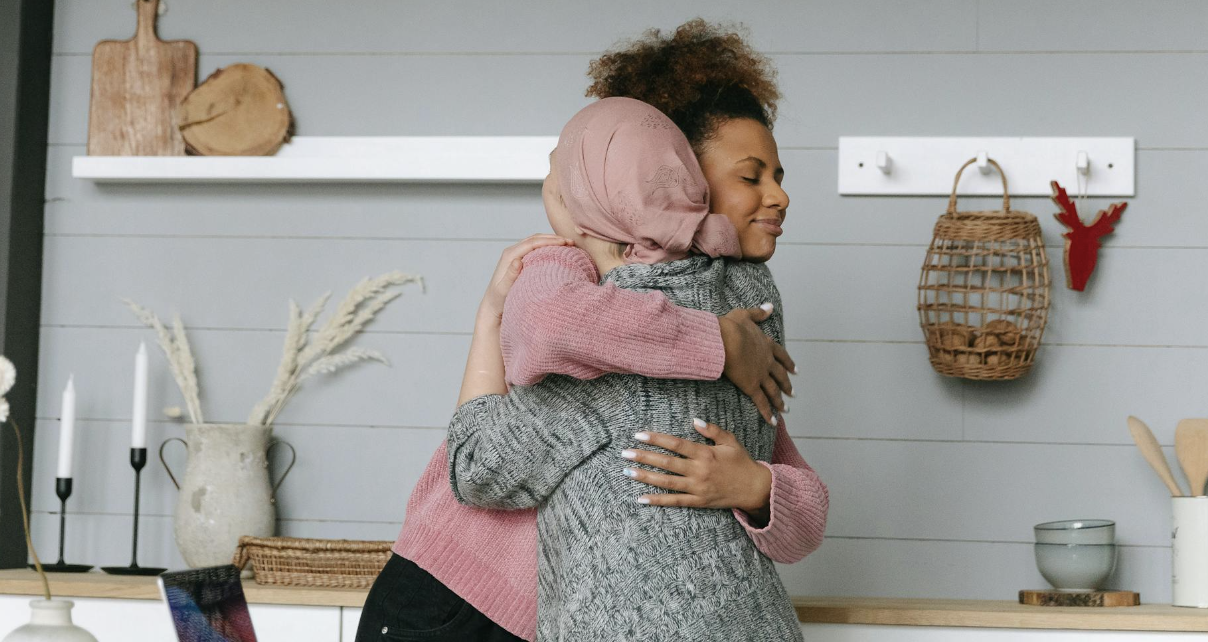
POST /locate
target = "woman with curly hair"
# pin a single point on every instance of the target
(466, 573)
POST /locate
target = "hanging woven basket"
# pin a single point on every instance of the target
(984, 291)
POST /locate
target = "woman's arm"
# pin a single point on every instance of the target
(798, 504)
(558, 320)
(782, 505)
(509, 451)
(484, 366)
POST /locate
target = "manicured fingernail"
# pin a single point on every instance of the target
(767, 307)
(643, 500)
(775, 421)
(629, 454)
(641, 436)
(794, 371)
(786, 409)
(699, 423)
(629, 472)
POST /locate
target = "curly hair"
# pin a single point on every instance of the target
(700, 76)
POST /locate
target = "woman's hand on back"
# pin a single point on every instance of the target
(721, 475)
(755, 363)
(508, 270)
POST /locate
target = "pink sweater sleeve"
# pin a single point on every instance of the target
(799, 503)
(558, 320)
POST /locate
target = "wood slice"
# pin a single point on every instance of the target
(238, 111)
(1089, 598)
(136, 86)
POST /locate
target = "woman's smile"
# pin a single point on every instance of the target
(772, 225)
(742, 166)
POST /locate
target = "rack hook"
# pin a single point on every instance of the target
(884, 162)
(1083, 163)
(983, 162)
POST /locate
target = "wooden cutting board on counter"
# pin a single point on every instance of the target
(136, 87)
(1088, 598)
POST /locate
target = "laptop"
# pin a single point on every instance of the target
(207, 605)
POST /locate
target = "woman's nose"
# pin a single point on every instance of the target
(776, 198)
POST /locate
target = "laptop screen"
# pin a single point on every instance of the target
(207, 605)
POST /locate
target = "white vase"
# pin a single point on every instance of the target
(50, 621)
(225, 493)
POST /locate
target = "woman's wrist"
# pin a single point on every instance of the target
(729, 338)
(488, 315)
(758, 506)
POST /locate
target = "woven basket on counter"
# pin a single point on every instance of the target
(984, 291)
(338, 563)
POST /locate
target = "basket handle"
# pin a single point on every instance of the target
(242, 555)
(1006, 196)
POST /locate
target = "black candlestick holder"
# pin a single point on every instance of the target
(63, 490)
(138, 459)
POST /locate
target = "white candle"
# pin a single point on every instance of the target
(67, 428)
(139, 414)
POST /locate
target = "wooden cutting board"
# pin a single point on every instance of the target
(136, 86)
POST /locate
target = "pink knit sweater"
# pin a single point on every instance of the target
(489, 557)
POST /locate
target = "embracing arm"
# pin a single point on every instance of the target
(558, 320)
(508, 451)
(798, 503)
(512, 451)
(781, 505)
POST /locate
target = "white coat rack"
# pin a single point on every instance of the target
(918, 166)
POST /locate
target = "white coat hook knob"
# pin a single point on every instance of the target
(983, 162)
(884, 162)
(1083, 163)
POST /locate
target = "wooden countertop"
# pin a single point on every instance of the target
(98, 584)
(824, 610)
(997, 614)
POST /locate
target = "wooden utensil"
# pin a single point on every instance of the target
(136, 87)
(1191, 449)
(1148, 445)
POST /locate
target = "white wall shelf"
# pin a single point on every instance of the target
(415, 159)
(918, 166)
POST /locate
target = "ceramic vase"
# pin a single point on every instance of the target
(49, 621)
(226, 492)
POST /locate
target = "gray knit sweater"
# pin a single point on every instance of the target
(608, 567)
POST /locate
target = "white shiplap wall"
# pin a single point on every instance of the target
(934, 483)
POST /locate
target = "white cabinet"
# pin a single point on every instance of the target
(148, 620)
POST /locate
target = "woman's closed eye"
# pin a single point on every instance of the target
(754, 180)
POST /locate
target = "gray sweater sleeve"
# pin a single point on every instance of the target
(511, 451)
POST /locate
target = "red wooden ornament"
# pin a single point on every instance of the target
(1082, 241)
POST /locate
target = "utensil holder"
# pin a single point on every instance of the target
(1189, 551)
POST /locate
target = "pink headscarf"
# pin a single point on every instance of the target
(628, 175)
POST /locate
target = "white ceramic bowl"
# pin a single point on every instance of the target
(1076, 567)
(1076, 531)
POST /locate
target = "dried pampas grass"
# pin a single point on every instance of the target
(180, 356)
(305, 356)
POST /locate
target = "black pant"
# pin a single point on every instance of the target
(407, 603)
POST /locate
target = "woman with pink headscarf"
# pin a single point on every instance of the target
(464, 573)
(610, 568)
